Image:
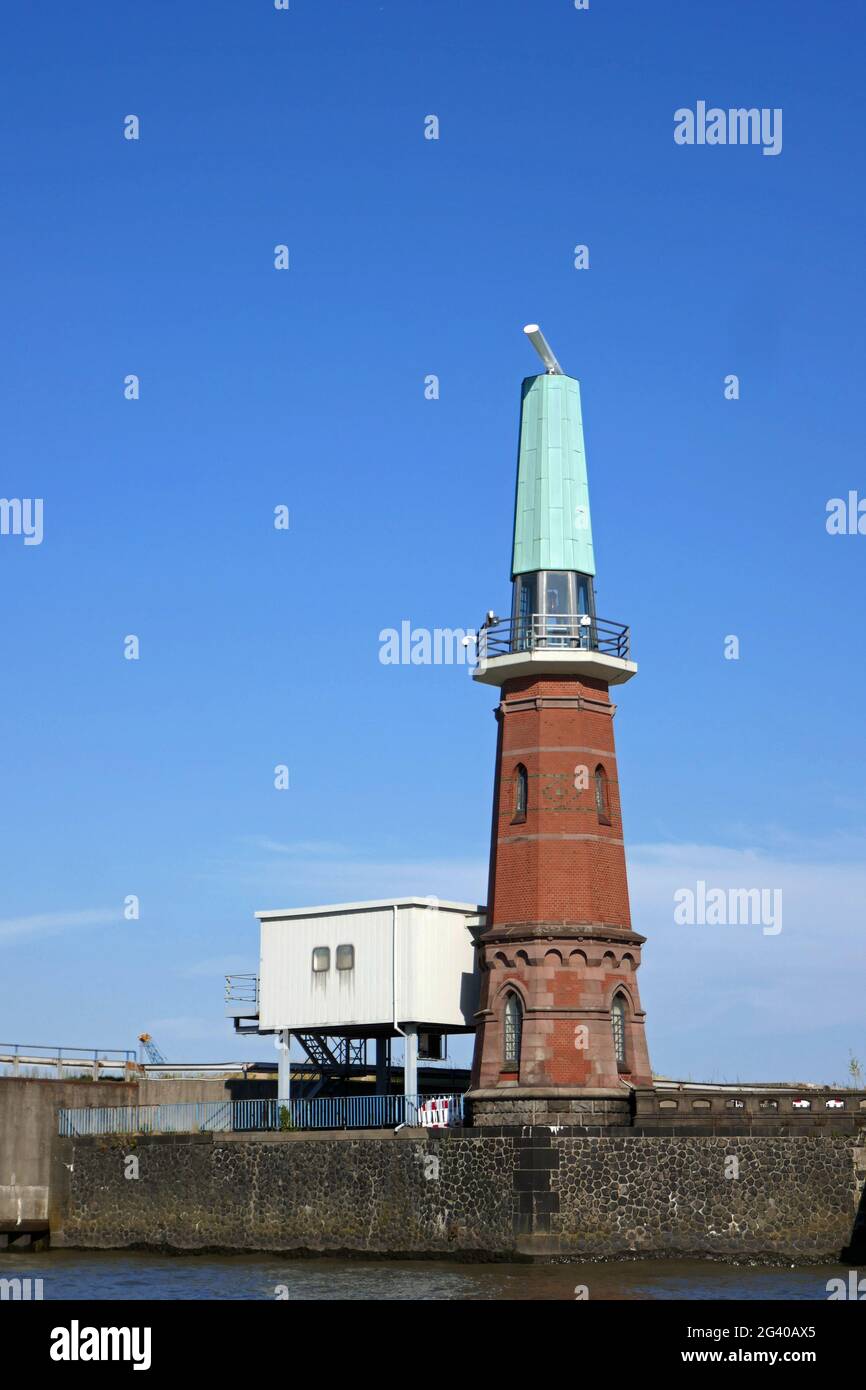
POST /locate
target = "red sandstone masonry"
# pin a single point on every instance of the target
(559, 925)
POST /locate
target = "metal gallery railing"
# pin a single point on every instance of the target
(549, 631)
(258, 1116)
(242, 989)
(94, 1060)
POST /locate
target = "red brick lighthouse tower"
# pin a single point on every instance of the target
(560, 1035)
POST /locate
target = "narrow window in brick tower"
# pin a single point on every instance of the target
(513, 1030)
(602, 804)
(617, 1019)
(521, 788)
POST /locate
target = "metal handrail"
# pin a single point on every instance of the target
(73, 1054)
(248, 1116)
(62, 1059)
(242, 989)
(552, 632)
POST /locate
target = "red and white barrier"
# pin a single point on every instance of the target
(437, 1113)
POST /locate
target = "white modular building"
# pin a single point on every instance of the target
(354, 966)
(399, 967)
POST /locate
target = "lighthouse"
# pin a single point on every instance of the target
(560, 1029)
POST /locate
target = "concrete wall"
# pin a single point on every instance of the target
(451, 1193)
(165, 1091)
(28, 1125)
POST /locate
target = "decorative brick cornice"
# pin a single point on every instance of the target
(592, 933)
(600, 839)
(559, 748)
(540, 702)
(548, 1093)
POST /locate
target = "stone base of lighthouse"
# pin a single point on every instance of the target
(555, 1108)
(568, 1072)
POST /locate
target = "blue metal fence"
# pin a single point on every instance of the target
(251, 1116)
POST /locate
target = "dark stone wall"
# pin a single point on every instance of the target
(377, 1193)
(451, 1193)
(762, 1197)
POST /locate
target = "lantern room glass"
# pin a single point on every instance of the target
(548, 606)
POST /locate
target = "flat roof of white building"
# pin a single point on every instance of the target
(330, 909)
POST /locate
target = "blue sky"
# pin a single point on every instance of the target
(412, 257)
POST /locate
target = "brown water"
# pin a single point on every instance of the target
(119, 1275)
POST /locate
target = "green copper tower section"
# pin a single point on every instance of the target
(552, 528)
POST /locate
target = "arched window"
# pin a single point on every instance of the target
(602, 803)
(617, 1020)
(521, 792)
(512, 1033)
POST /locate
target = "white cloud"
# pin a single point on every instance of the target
(301, 873)
(730, 1001)
(315, 849)
(50, 923)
